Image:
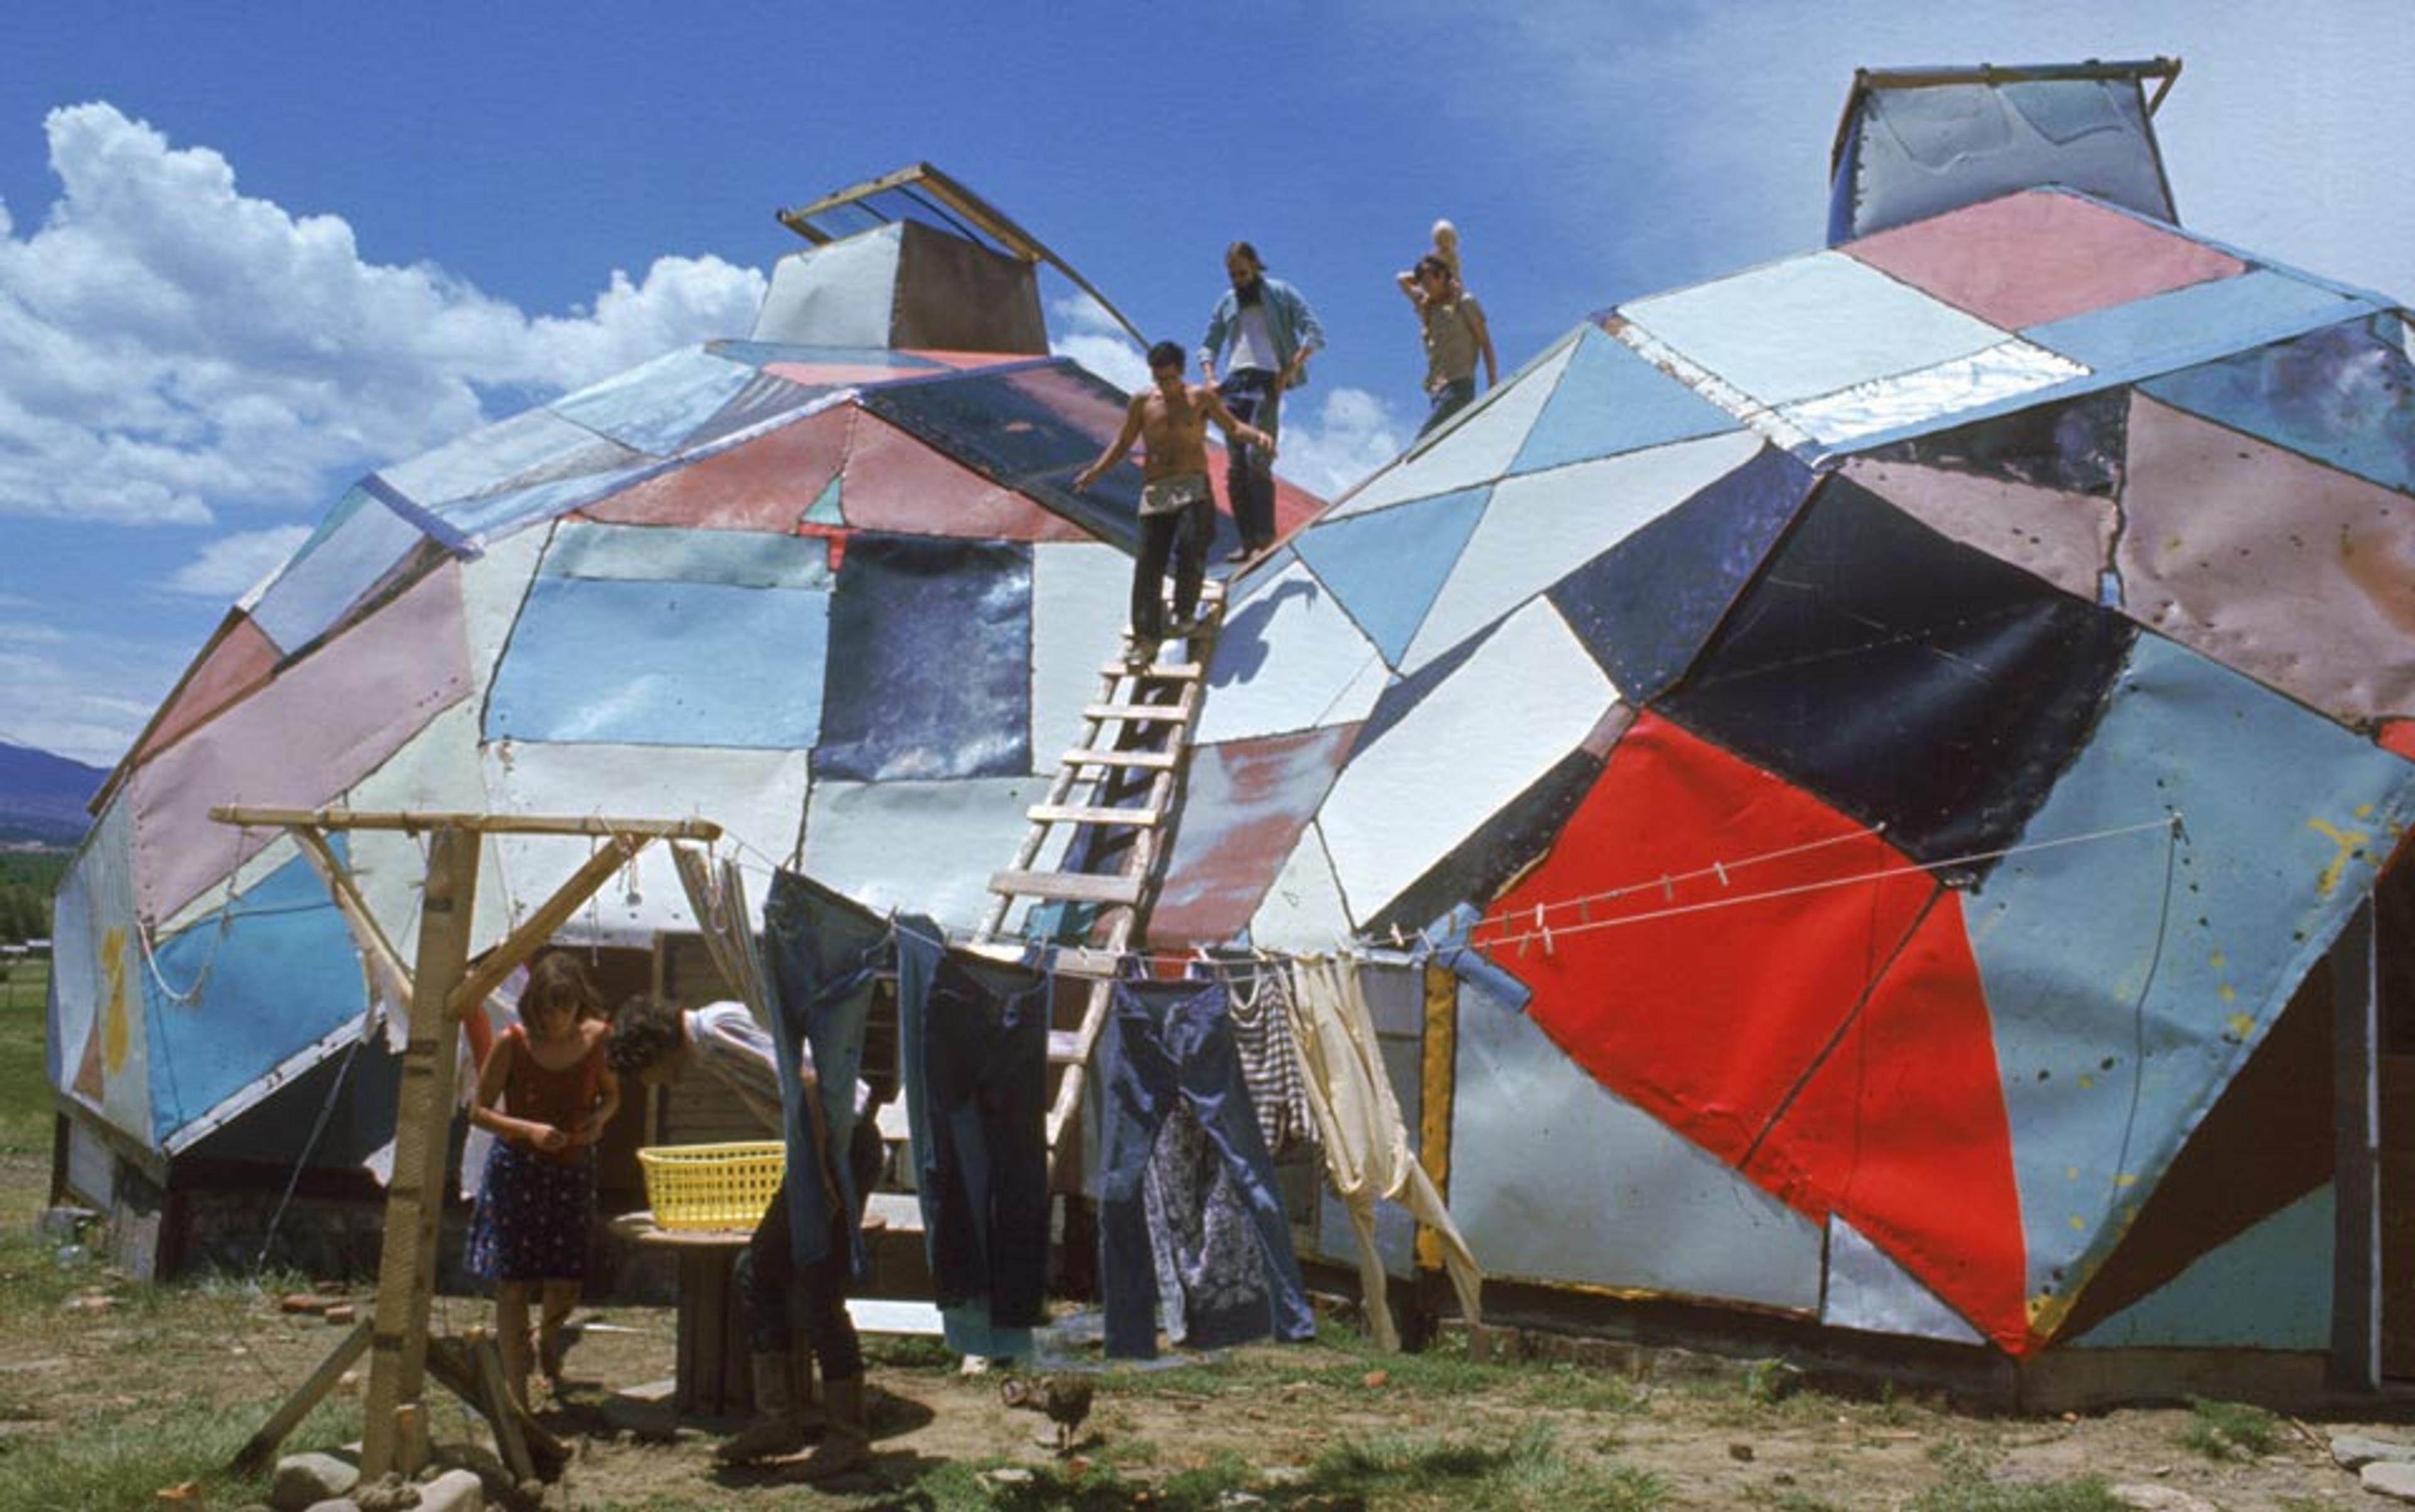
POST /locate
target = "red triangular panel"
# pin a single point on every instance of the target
(1722, 999)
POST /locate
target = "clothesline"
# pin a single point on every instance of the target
(1422, 943)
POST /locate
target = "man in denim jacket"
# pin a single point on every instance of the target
(1271, 330)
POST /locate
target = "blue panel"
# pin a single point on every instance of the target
(1386, 567)
(1611, 401)
(654, 553)
(930, 670)
(763, 354)
(271, 975)
(653, 407)
(2183, 949)
(763, 398)
(1555, 1178)
(2344, 395)
(824, 510)
(1646, 606)
(662, 664)
(490, 516)
(2269, 1288)
(359, 543)
(2193, 324)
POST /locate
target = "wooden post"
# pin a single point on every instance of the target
(390, 1438)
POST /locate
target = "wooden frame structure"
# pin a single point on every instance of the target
(441, 987)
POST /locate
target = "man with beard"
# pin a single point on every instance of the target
(1271, 330)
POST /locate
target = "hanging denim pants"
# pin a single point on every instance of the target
(1166, 1040)
(980, 1056)
(825, 952)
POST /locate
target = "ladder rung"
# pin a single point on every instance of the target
(1071, 887)
(1169, 672)
(1139, 714)
(1075, 814)
(1064, 1046)
(1149, 760)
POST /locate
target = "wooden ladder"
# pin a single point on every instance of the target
(1114, 798)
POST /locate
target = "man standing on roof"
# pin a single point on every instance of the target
(1177, 511)
(1455, 337)
(1271, 330)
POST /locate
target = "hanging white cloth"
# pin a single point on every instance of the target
(1367, 1149)
(716, 895)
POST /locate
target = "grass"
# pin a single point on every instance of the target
(24, 1086)
(1972, 1483)
(2228, 1429)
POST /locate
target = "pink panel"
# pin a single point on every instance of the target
(836, 374)
(966, 361)
(2299, 576)
(237, 660)
(895, 483)
(2040, 256)
(1246, 804)
(2066, 538)
(324, 723)
(766, 484)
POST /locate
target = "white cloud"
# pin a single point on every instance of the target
(1090, 336)
(172, 349)
(1352, 434)
(70, 698)
(230, 565)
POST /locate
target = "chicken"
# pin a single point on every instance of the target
(1066, 1399)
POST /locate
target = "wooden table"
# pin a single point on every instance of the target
(711, 1378)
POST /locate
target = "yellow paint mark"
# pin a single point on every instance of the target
(2078, 1225)
(2227, 993)
(2241, 1025)
(2086, 1082)
(2347, 840)
(2362, 811)
(2125, 1179)
(2217, 960)
(116, 1036)
(2071, 1173)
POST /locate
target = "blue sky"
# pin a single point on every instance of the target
(248, 253)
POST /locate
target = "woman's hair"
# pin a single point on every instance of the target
(558, 978)
(644, 1030)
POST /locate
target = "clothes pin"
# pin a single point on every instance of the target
(1548, 948)
(1668, 888)
(1722, 870)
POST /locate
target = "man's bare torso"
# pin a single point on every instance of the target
(1174, 432)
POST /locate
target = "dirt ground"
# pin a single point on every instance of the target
(1263, 1419)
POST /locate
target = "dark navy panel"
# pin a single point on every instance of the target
(1645, 606)
(2343, 395)
(930, 658)
(1030, 428)
(2074, 446)
(1908, 680)
(1501, 848)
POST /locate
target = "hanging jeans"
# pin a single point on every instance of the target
(825, 952)
(1164, 1041)
(977, 1046)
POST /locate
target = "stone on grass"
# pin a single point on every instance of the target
(2390, 1478)
(2354, 1451)
(456, 1490)
(305, 1479)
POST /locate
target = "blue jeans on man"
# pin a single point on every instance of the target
(1452, 397)
(1249, 473)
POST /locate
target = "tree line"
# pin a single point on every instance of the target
(27, 880)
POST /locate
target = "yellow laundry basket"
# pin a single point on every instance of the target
(711, 1185)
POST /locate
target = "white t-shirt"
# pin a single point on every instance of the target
(1254, 345)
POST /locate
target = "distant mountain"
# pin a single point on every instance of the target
(42, 796)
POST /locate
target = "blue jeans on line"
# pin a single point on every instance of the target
(1164, 1041)
(981, 1059)
(825, 952)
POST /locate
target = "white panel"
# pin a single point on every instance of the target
(1303, 911)
(485, 460)
(1079, 596)
(247, 875)
(2003, 371)
(1478, 449)
(436, 771)
(1809, 325)
(494, 584)
(1867, 1290)
(836, 295)
(1555, 1178)
(1543, 526)
(925, 847)
(1529, 695)
(1288, 659)
(754, 796)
